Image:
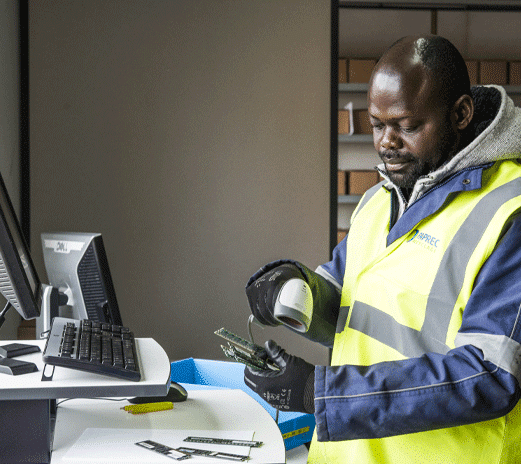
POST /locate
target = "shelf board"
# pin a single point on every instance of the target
(354, 88)
(362, 88)
(349, 199)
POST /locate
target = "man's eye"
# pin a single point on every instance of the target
(377, 126)
(409, 129)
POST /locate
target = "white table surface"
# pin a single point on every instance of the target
(72, 383)
(223, 410)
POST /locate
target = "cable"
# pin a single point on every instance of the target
(7, 307)
(106, 399)
(251, 319)
(250, 332)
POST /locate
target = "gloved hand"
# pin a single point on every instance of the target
(263, 288)
(290, 389)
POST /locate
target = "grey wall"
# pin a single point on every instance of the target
(194, 135)
(9, 124)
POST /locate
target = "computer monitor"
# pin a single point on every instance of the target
(77, 265)
(19, 281)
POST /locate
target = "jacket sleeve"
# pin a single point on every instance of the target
(478, 380)
(327, 302)
(333, 271)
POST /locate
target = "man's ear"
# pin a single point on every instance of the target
(462, 112)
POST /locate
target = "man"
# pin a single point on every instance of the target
(421, 302)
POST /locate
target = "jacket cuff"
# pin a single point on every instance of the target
(320, 404)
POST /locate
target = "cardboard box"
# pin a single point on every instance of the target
(473, 69)
(341, 234)
(493, 72)
(342, 182)
(361, 122)
(296, 428)
(344, 125)
(360, 70)
(361, 181)
(514, 72)
(27, 330)
(342, 71)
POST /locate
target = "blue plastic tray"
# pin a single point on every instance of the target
(296, 428)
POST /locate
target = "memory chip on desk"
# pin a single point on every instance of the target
(224, 441)
(213, 454)
(163, 449)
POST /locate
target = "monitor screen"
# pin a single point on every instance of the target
(19, 282)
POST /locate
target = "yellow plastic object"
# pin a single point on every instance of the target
(148, 407)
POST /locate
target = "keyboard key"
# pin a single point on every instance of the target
(102, 348)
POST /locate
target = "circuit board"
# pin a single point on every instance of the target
(245, 352)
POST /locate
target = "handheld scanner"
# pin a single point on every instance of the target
(294, 305)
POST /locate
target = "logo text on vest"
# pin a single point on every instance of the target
(427, 241)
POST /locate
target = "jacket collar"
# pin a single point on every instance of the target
(462, 181)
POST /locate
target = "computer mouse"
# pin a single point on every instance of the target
(176, 394)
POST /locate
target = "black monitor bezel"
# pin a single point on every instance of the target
(29, 299)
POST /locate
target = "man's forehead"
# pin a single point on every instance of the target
(387, 81)
(412, 85)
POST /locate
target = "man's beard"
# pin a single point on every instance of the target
(405, 178)
(416, 168)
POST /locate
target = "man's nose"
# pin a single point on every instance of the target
(390, 139)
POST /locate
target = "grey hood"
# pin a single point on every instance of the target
(496, 129)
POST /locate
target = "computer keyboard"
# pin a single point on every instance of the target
(92, 346)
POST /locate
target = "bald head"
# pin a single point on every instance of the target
(427, 59)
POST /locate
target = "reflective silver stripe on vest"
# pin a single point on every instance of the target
(368, 195)
(447, 282)
(501, 350)
(385, 329)
(342, 319)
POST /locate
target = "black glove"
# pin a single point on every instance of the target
(263, 288)
(290, 389)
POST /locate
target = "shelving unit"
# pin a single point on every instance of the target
(347, 147)
(365, 35)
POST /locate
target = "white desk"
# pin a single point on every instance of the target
(27, 398)
(223, 410)
(26, 402)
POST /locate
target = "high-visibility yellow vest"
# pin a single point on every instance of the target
(408, 298)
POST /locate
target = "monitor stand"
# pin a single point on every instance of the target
(52, 299)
